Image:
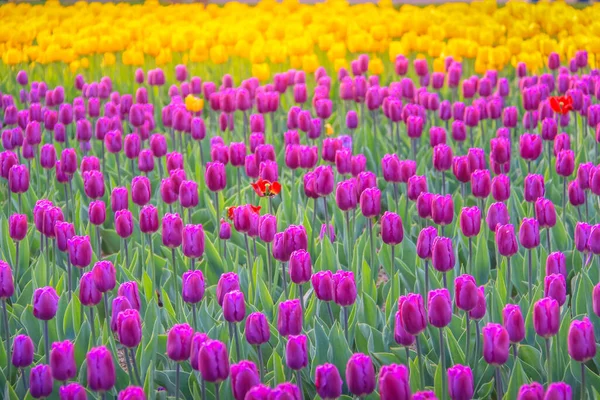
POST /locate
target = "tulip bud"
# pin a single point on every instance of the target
(45, 303)
(214, 361)
(416, 185)
(442, 157)
(89, 295)
(481, 183)
(546, 317)
(345, 288)
(328, 382)
(131, 292)
(392, 231)
(581, 340)
(289, 318)
(148, 219)
(424, 205)
(124, 223)
(22, 351)
(62, 361)
(172, 230)
(119, 199)
(7, 287)
(470, 221)
(228, 282)
(442, 209)
(394, 383)
(495, 344)
(100, 369)
(179, 342)
(323, 285)
(257, 329)
(425, 242)
(558, 391)
(439, 307)
(234, 306)
(506, 240)
(215, 177)
(360, 375)
(296, 354)
(460, 382)
(442, 254)
(465, 292)
(565, 163)
(370, 202)
(129, 328)
(545, 213)
(40, 381)
(531, 391)
(119, 303)
(412, 313)
(529, 233)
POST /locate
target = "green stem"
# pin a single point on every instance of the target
(7, 333)
(236, 339)
(135, 367)
(498, 383)
(129, 367)
(261, 365)
(346, 315)
(299, 383)
(194, 317)
(508, 280)
(530, 278)
(420, 360)
(177, 370)
(583, 388)
(330, 312)
(284, 277)
(548, 362)
(443, 357)
(176, 281)
(92, 326)
(269, 266)
(372, 241)
(468, 348)
(47, 342)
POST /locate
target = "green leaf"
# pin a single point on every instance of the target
(517, 379)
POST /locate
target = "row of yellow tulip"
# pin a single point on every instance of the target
(289, 32)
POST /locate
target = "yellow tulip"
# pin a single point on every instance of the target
(376, 66)
(261, 71)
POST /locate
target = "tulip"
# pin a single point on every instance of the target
(129, 328)
(531, 391)
(442, 256)
(296, 355)
(360, 375)
(546, 317)
(228, 282)
(513, 322)
(40, 381)
(130, 291)
(244, 377)
(439, 308)
(289, 318)
(394, 382)
(179, 342)
(74, 391)
(119, 199)
(581, 343)
(100, 369)
(481, 183)
(22, 351)
(214, 362)
(558, 391)
(345, 293)
(234, 310)
(442, 161)
(555, 287)
(62, 361)
(442, 210)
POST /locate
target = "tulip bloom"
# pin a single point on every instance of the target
(40, 381)
(360, 375)
(62, 361)
(582, 345)
(100, 369)
(394, 383)
(460, 382)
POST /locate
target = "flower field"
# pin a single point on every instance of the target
(288, 201)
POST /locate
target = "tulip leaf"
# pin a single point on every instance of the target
(482, 263)
(518, 377)
(277, 367)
